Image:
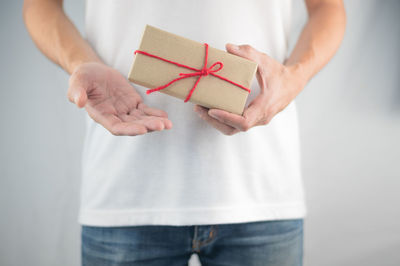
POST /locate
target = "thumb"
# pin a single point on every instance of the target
(78, 96)
(245, 51)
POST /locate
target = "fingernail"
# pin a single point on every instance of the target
(234, 46)
(210, 113)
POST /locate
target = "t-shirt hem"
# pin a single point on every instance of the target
(182, 217)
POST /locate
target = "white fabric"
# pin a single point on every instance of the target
(191, 174)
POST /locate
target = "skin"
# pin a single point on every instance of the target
(113, 102)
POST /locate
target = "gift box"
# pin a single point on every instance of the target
(192, 71)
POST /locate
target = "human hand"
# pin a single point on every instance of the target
(111, 101)
(279, 85)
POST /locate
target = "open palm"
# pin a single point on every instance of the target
(111, 101)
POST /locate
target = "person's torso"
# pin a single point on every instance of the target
(192, 165)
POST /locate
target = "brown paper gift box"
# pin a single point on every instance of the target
(211, 92)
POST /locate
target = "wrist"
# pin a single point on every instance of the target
(76, 56)
(73, 65)
(299, 76)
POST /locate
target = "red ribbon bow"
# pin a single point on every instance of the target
(198, 72)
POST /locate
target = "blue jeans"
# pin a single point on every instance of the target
(269, 243)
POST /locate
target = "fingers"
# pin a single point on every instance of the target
(155, 123)
(152, 111)
(81, 98)
(157, 114)
(135, 123)
(255, 111)
(128, 129)
(233, 120)
(152, 123)
(254, 115)
(245, 51)
(225, 129)
(167, 123)
(77, 95)
(115, 125)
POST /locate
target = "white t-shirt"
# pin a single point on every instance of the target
(191, 174)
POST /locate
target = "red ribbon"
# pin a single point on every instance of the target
(197, 72)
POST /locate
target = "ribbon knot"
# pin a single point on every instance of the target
(197, 72)
(211, 70)
(205, 72)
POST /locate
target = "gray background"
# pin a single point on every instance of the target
(350, 129)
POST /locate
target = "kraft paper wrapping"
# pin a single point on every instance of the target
(211, 92)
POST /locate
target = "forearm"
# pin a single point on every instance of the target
(319, 39)
(55, 35)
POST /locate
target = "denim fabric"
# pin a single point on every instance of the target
(269, 243)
